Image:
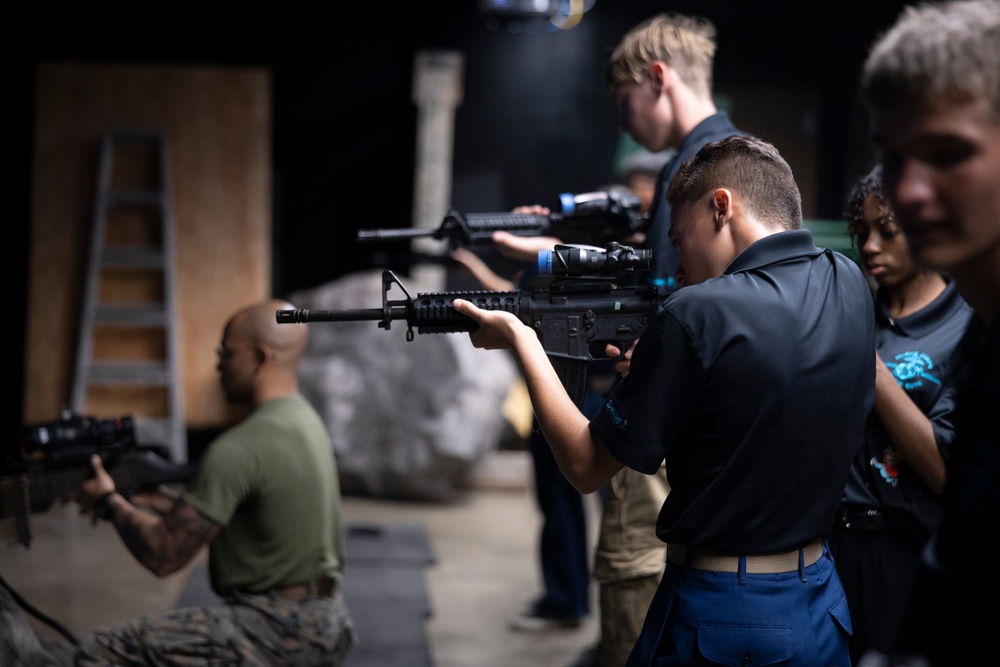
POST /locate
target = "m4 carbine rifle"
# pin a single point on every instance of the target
(591, 218)
(55, 459)
(575, 315)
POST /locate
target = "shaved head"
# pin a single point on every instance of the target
(258, 323)
(259, 358)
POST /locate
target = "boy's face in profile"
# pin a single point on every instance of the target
(646, 111)
(639, 106)
(695, 235)
(941, 163)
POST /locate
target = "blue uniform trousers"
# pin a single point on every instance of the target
(700, 617)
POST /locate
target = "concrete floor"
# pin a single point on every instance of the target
(486, 571)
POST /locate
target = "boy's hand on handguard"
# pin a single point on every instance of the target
(497, 328)
(534, 209)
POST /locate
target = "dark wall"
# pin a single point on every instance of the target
(535, 120)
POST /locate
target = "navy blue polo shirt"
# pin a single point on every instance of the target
(922, 351)
(754, 388)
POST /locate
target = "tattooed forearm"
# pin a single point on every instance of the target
(162, 545)
(188, 531)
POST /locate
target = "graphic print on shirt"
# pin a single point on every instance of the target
(910, 369)
(887, 465)
(620, 422)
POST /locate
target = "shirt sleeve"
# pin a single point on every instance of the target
(648, 410)
(224, 479)
(942, 413)
(942, 418)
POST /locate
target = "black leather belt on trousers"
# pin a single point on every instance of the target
(862, 519)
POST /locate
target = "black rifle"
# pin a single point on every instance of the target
(55, 459)
(576, 315)
(590, 218)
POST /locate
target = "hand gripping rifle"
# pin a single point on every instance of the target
(575, 316)
(590, 218)
(55, 459)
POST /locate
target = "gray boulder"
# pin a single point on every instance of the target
(408, 419)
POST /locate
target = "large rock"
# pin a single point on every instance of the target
(408, 419)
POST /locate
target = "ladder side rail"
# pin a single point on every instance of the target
(178, 430)
(84, 354)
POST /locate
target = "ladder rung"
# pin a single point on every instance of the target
(129, 372)
(133, 257)
(140, 315)
(134, 198)
(133, 134)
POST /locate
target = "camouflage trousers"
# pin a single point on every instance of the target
(250, 630)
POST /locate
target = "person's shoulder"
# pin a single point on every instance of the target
(714, 295)
(244, 431)
(720, 125)
(294, 414)
(277, 420)
(849, 283)
(301, 407)
(228, 448)
(956, 301)
(282, 405)
(846, 265)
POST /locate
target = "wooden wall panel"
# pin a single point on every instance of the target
(218, 125)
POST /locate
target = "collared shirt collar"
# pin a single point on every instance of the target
(924, 321)
(774, 248)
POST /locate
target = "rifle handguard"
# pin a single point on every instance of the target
(434, 313)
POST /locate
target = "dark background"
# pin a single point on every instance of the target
(534, 120)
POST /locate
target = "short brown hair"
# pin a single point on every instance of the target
(750, 167)
(949, 49)
(686, 43)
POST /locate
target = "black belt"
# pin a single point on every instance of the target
(862, 519)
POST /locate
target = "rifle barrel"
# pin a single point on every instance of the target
(301, 315)
(377, 235)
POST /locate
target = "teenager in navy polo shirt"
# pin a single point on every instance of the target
(752, 383)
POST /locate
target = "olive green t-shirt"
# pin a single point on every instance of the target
(271, 481)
